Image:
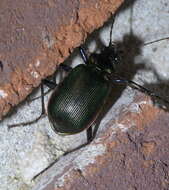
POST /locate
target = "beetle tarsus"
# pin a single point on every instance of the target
(25, 123)
(77, 148)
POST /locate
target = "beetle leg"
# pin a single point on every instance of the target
(66, 153)
(50, 84)
(89, 134)
(145, 90)
(36, 119)
(133, 84)
(111, 31)
(83, 55)
(32, 99)
(161, 39)
(96, 127)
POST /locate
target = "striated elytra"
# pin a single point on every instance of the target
(77, 101)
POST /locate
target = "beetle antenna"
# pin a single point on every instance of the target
(148, 43)
(111, 30)
(131, 21)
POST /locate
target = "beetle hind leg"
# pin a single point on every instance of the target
(89, 134)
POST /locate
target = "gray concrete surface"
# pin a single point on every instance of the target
(25, 151)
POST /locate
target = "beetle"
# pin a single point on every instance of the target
(76, 103)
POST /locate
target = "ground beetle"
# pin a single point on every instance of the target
(77, 102)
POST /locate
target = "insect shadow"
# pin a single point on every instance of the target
(132, 46)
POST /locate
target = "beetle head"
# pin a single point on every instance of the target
(107, 60)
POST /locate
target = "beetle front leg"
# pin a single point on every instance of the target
(51, 86)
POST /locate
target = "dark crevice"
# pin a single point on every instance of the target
(1, 65)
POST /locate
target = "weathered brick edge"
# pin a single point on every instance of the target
(36, 37)
(131, 154)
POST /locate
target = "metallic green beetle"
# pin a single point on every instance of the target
(77, 102)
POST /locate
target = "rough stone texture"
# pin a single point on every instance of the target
(35, 36)
(133, 160)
